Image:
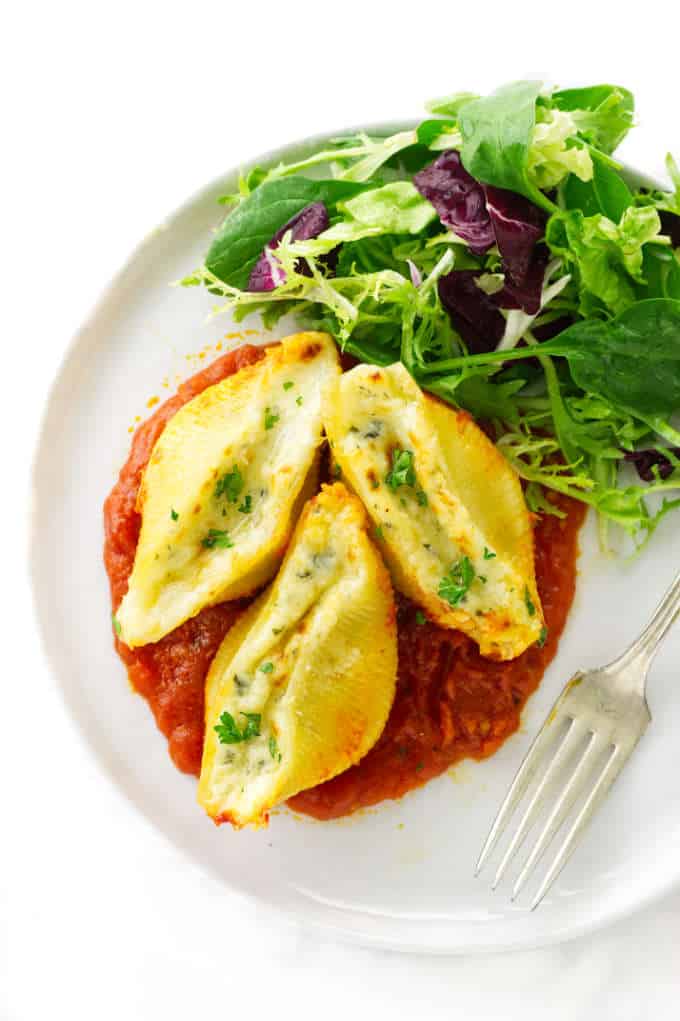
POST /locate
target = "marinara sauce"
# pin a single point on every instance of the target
(450, 704)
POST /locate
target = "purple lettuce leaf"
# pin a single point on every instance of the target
(527, 294)
(517, 226)
(646, 461)
(458, 199)
(549, 330)
(267, 274)
(482, 215)
(473, 313)
(476, 315)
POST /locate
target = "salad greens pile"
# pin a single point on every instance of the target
(499, 251)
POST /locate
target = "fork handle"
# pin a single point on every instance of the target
(637, 658)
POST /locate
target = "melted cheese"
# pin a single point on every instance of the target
(315, 658)
(224, 485)
(455, 530)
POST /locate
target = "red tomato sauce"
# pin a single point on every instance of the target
(451, 703)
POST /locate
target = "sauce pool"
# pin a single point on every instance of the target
(451, 703)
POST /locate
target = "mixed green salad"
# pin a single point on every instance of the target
(499, 251)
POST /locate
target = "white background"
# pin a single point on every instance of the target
(111, 115)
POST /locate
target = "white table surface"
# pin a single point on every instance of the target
(113, 114)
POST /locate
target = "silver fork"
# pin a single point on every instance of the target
(582, 747)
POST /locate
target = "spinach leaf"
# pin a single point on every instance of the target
(439, 135)
(661, 270)
(606, 193)
(603, 113)
(497, 132)
(430, 130)
(449, 106)
(248, 228)
(632, 361)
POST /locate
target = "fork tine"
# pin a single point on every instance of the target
(613, 767)
(567, 747)
(526, 772)
(560, 810)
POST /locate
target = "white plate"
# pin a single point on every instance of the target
(398, 876)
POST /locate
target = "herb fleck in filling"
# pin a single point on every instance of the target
(402, 472)
(270, 418)
(455, 585)
(531, 609)
(230, 485)
(228, 730)
(217, 539)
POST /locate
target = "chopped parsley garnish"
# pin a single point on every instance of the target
(531, 609)
(488, 555)
(217, 538)
(421, 497)
(543, 637)
(420, 618)
(228, 731)
(116, 623)
(247, 505)
(298, 400)
(289, 384)
(482, 578)
(277, 630)
(379, 532)
(230, 485)
(267, 668)
(274, 749)
(173, 514)
(375, 484)
(270, 418)
(337, 471)
(402, 473)
(454, 586)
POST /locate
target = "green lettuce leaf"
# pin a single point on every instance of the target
(607, 257)
(396, 208)
(555, 152)
(603, 114)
